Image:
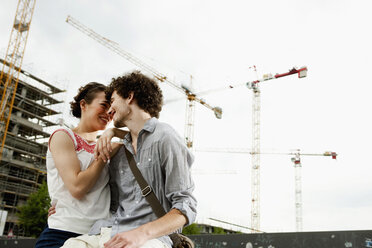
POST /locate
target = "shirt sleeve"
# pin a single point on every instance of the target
(176, 161)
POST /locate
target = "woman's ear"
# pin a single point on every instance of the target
(83, 104)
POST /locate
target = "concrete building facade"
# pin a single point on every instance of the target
(22, 166)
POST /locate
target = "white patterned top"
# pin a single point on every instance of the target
(74, 215)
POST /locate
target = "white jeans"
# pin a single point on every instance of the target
(97, 241)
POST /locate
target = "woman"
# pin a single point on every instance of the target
(77, 183)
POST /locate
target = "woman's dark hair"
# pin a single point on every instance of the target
(86, 93)
(146, 91)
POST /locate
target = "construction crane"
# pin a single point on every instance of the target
(191, 97)
(256, 109)
(13, 62)
(298, 182)
(296, 159)
(256, 140)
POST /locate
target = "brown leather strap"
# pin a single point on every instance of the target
(179, 241)
(146, 190)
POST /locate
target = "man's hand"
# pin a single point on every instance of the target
(52, 210)
(131, 239)
(103, 145)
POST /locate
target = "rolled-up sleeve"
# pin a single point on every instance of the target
(176, 161)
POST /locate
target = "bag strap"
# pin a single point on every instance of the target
(149, 194)
(146, 190)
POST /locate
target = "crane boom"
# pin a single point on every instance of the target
(250, 151)
(159, 76)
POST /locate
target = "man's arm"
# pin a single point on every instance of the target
(165, 225)
(175, 160)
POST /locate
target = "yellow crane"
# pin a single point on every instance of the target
(191, 97)
(12, 64)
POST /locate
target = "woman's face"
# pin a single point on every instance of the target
(96, 112)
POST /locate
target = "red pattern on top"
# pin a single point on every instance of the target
(82, 144)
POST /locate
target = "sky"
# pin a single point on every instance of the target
(217, 43)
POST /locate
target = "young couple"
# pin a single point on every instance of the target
(90, 183)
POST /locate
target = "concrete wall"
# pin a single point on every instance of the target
(336, 239)
(340, 239)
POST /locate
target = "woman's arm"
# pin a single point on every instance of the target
(104, 145)
(78, 182)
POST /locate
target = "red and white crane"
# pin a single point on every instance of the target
(296, 159)
(256, 139)
(256, 123)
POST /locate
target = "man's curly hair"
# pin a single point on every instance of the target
(145, 90)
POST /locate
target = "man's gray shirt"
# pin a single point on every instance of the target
(164, 162)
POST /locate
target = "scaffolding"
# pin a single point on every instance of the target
(23, 166)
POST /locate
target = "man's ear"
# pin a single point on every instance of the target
(130, 97)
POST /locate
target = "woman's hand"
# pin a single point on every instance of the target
(103, 146)
(115, 148)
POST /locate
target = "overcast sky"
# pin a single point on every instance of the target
(217, 42)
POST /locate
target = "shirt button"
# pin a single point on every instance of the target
(149, 159)
(116, 222)
(138, 163)
(127, 215)
(121, 171)
(137, 202)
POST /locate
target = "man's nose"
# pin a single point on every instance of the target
(111, 112)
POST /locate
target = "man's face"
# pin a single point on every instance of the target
(119, 110)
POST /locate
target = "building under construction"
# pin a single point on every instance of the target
(22, 168)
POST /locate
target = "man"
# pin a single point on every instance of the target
(163, 160)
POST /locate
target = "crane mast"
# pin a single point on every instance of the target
(190, 117)
(255, 171)
(191, 97)
(12, 64)
(298, 191)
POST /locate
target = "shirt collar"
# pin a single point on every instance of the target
(149, 127)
